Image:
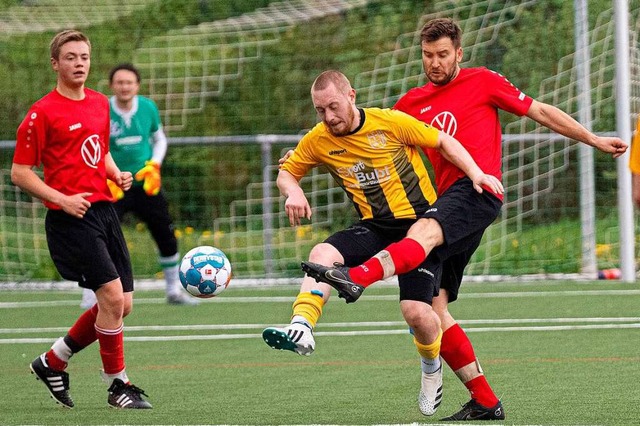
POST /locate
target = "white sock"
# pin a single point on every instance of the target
(109, 378)
(430, 366)
(88, 298)
(302, 320)
(61, 350)
(172, 285)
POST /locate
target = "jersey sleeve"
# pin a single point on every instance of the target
(505, 95)
(412, 131)
(155, 122)
(303, 158)
(634, 157)
(30, 138)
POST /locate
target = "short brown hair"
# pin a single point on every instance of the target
(437, 28)
(339, 80)
(65, 37)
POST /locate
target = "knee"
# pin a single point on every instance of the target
(325, 254)
(427, 232)
(418, 315)
(112, 303)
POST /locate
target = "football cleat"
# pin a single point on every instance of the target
(474, 411)
(430, 394)
(337, 277)
(126, 395)
(57, 382)
(181, 299)
(296, 337)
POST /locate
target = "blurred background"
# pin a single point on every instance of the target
(231, 79)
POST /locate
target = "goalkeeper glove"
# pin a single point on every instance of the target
(150, 173)
(116, 192)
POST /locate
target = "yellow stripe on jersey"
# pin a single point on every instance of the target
(379, 166)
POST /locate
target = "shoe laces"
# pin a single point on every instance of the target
(135, 390)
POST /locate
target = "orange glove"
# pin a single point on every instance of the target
(116, 192)
(150, 173)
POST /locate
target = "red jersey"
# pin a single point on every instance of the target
(467, 109)
(70, 139)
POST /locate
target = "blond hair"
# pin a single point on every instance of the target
(63, 38)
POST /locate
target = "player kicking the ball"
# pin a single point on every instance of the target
(372, 154)
(464, 102)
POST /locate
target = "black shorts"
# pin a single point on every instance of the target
(91, 250)
(463, 214)
(154, 211)
(364, 239)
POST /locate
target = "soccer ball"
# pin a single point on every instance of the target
(205, 271)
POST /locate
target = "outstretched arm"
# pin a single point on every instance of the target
(296, 205)
(562, 123)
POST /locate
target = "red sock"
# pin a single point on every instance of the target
(111, 349)
(54, 362)
(406, 255)
(457, 351)
(83, 332)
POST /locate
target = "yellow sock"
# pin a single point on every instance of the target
(430, 351)
(309, 306)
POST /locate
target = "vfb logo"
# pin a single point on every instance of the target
(91, 151)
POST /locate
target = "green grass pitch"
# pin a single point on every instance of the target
(556, 353)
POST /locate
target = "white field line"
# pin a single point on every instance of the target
(290, 299)
(196, 327)
(596, 324)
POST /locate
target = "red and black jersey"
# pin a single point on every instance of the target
(467, 109)
(70, 139)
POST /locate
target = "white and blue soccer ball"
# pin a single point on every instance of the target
(205, 271)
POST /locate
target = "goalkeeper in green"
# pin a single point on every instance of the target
(138, 145)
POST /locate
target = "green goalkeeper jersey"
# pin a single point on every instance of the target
(131, 139)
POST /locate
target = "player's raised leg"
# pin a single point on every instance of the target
(397, 258)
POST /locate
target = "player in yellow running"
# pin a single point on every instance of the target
(373, 155)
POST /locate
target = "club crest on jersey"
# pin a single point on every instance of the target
(91, 151)
(114, 129)
(377, 139)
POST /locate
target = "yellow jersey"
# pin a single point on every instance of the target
(634, 156)
(378, 164)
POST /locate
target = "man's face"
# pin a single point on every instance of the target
(73, 63)
(440, 60)
(335, 109)
(124, 85)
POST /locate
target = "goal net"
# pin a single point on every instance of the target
(232, 83)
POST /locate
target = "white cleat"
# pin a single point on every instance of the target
(430, 394)
(296, 337)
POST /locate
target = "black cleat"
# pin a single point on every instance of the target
(122, 395)
(337, 277)
(474, 411)
(57, 382)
